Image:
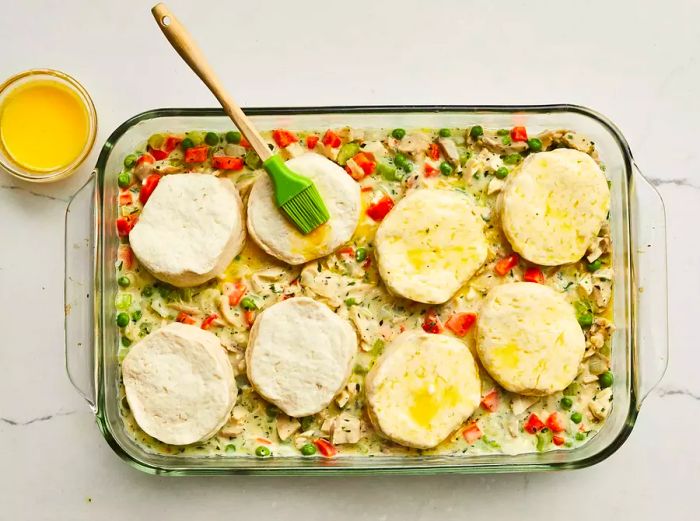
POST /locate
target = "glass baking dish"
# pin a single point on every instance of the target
(639, 346)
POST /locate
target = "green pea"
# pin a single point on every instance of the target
(233, 137)
(576, 417)
(594, 266)
(445, 168)
(262, 452)
(360, 254)
(464, 157)
(122, 319)
(350, 302)
(124, 180)
(585, 319)
(136, 315)
(580, 436)
(445, 132)
(230, 448)
(566, 403)
(506, 140)
(187, 143)
(402, 162)
(476, 131)
(248, 304)
(398, 133)
(308, 449)
(126, 342)
(130, 160)
(512, 159)
(123, 281)
(501, 173)
(534, 144)
(211, 139)
(605, 379)
(503, 132)
(147, 291)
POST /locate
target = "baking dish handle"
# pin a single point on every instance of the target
(649, 284)
(79, 291)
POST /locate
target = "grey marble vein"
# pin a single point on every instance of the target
(36, 194)
(48, 417)
(675, 391)
(679, 181)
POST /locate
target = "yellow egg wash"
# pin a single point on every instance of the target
(428, 400)
(312, 243)
(44, 126)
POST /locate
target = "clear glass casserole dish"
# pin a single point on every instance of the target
(639, 346)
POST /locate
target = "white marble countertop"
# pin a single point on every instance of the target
(638, 62)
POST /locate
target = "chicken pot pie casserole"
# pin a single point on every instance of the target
(457, 301)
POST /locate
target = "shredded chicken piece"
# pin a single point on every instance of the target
(234, 426)
(601, 404)
(286, 426)
(303, 438)
(588, 377)
(261, 280)
(329, 287)
(232, 316)
(185, 308)
(346, 429)
(549, 137)
(598, 333)
(598, 247)
(143, 170)
(414, 144)
(495, 185)
(520, 403)
(602, 288)
(375, 147)
(481, 162)
(355, 170)
(585, 284)
(233, 150)
(449, 150)
(168, 169)
(330, 152)
(513, 427)
(293, 150)
(342, 398)
(578, 142)
(327, 425)
(495, 144)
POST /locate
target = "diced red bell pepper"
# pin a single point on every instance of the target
(249, 317)
(125, 224)
(461, 323)
(491, 400)
(433, 151)
(196, 154)
(555, 423)
(472, 433)
(331, 139)
(284, 138)
(158, 155)
(145, 158)
(533, 424)
(366, 161)
(125, 198)
(311, 141)
(245, 143)
(506, 264)
(430, 171)
(149, 184)
(237, 293)
(184, 318)
(264, 441)
(378, 210)
(345, 250)
(227, 162)
(518, 134)
(534, 275)
(431, 322)
(206, 323)
(171, 143)
(558, 440)
(325, 447)
(126, 256)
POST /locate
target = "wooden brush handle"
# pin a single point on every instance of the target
(183, 43)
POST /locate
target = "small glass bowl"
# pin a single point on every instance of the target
(26, 174)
